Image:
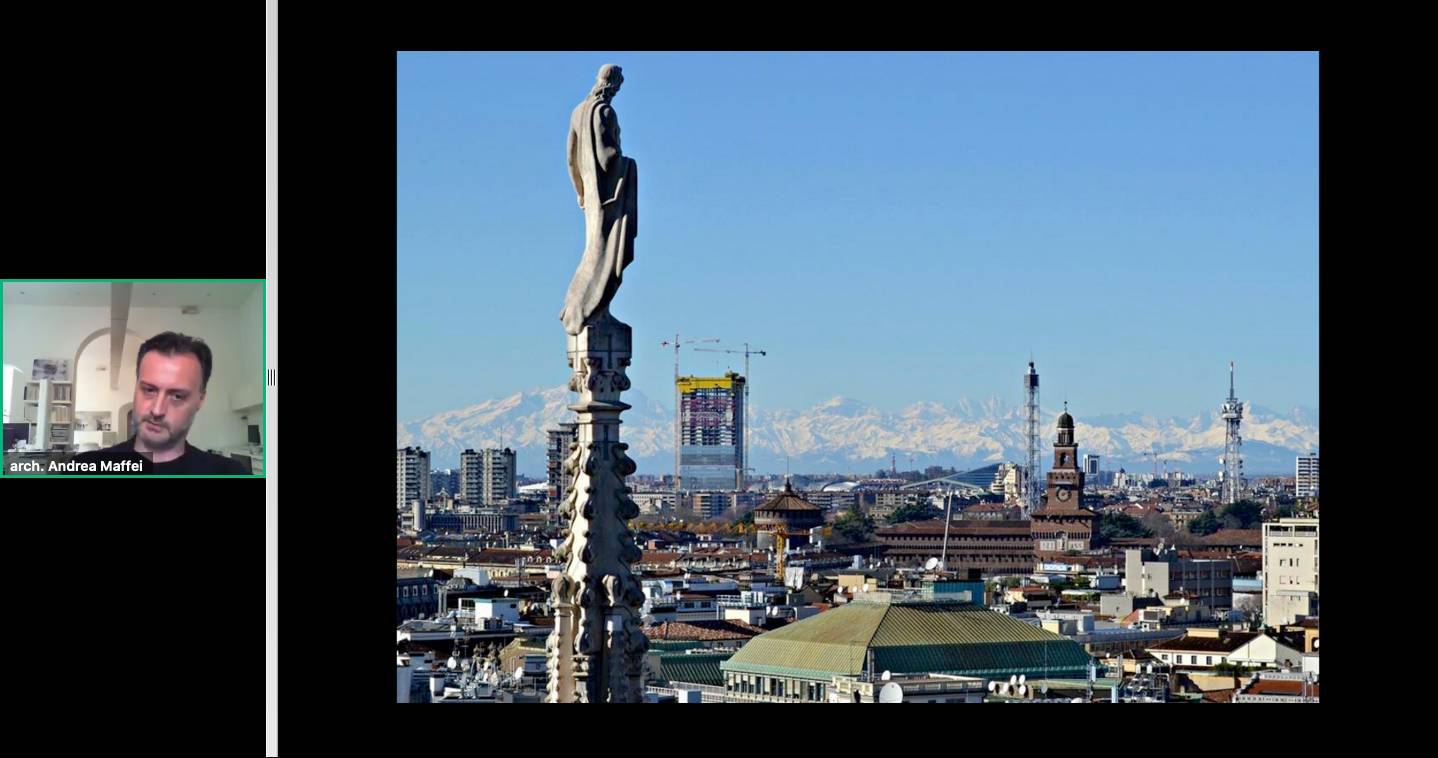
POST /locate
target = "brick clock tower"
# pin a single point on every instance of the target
(1062, 523)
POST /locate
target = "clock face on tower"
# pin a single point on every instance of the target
(1062, 494)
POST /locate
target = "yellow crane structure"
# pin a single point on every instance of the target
(781, 547)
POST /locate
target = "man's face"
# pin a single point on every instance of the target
(167, 396)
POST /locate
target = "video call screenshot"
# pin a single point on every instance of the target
(135, 378)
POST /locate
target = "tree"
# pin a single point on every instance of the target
(1113, 526)
(911, 512)
(853, 525)
(1204, 525)
(1244, 514)
(1159, 525)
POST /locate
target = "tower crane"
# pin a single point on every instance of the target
(744, 474)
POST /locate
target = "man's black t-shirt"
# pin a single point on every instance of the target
(194, 461)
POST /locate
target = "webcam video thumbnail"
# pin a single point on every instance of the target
(129, 378)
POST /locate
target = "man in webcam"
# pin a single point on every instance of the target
(171, 375)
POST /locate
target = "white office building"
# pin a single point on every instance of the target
(1306, 478)
(411, 476)
(1290, 570)
(486, 477)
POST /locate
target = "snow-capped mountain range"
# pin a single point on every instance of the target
(843, 435)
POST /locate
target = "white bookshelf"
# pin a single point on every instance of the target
(54, 414)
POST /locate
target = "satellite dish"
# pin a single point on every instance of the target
(931, 564)
(891, 693)
(1013, 680)
(886, 676)
(1022, 678)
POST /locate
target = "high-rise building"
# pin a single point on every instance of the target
(470, 477)
(711, 432)
(497, 476)
(1290, 570)
(558, 446)
(486, 477)
(411, 476)
(1306, 478)
(1090, 467)
(444, 480)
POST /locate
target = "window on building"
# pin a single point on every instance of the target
(1208, 660)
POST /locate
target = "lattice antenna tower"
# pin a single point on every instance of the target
(1232, 444)
(1031, 440)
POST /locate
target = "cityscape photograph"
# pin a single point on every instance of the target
(931, 377)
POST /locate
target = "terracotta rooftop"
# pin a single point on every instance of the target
(1233, 537)
(711, 630)
(1218, 696)
(1280, 687)
(936, 526)
(788, 500)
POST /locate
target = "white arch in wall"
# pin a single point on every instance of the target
(120, 417)
(115, 424)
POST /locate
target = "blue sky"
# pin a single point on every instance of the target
(892, 228)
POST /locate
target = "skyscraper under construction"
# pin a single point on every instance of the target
(711, 432)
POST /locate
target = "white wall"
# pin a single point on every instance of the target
(12, 392)
(232, 333)
(92, 387)
(252, 384)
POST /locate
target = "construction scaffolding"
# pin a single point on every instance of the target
(711, 432)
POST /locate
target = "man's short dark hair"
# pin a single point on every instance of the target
(174, 343)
